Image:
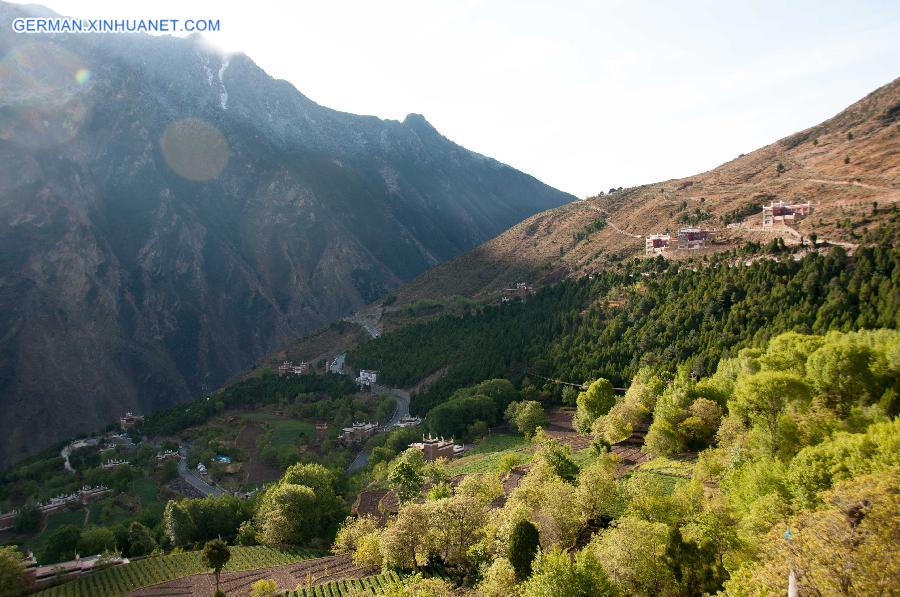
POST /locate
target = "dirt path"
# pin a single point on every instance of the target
(846, 183)
(308, 573)
(257, 470)
(609, 222)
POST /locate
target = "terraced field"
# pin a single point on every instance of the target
(310, 573)
(120, 580)
(373, 585)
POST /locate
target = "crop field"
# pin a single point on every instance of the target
(119, 580)
(285, 432)
(485, 458)
(373, 585)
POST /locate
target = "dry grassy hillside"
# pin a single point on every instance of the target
(842, 166)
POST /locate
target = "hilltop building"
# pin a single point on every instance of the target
(168, 455)
(433, 448)
(289, 368)
(130, 420)
(780, 213)
(521, 290)
(692, 238)
(111, 464)
(408, 421)
(657, 244)
(357, 434)
(366, 378)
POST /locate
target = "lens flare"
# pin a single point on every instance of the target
(194, 149)
(82, 76)
(44, 101)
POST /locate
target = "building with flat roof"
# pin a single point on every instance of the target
(780, 213)
(358, 433)
(367, 378)
(130, 420)
(692, 238)
(289, 368)
(433, 448)
(657, 244)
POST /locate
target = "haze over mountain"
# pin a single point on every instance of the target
(170, 215)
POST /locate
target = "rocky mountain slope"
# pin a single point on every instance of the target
(848, 167)
(169, 215)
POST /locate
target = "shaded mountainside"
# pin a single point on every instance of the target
(843, 166)
(170, 215)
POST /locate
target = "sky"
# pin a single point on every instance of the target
(583, 95)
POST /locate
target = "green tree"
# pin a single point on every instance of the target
(94, 540)
(556, 574)
(11, 569)
(246, 533)
(28, 519)
(840, 372)
(762, 398)
(168, 471)
(455, 525)
(632, 553)
(524, 543)
(264, 587)
(598, 494)
(848, 546)
(789, 352)
(178, 523)
(406, 475)
(405, 540)
(499, 580)
(140, 540)
(592, 403)
(286, 515)
(216, 554)
(62, 544)
(526, 416)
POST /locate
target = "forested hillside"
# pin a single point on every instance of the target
(796, 476)
(651, 312)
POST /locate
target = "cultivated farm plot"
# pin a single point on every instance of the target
(485, 458)
(119, 580)
(372, 585)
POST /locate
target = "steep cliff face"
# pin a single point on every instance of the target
(169, 215)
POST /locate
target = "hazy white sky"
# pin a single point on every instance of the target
(583, 95)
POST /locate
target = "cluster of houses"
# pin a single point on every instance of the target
(61, 502)
(777, 214)
(433, 448)
(357, 434)
(690, 239)
(520, 290)
(289, 368)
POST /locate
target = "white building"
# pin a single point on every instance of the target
(367, 378)
(289, 368)
(657, 244)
